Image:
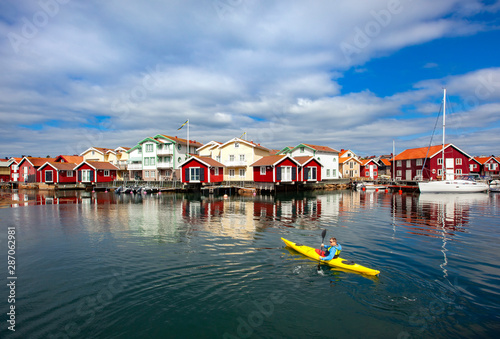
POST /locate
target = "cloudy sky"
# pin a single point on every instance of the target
(345, 74)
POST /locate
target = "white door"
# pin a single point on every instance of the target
(450, 169)
(408, 175)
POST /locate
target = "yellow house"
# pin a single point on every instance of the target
(349, 164)
(117, 157)
(236, 155)
(210, 149)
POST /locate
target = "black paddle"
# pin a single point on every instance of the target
(323, 234)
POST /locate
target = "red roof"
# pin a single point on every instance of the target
(419, 153)
(98, 165)
(62, 166)
(269, 160)
(322, 148)
(76, 159)
(182, 141)
(37, 162)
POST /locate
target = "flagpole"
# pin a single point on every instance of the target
(188, 142)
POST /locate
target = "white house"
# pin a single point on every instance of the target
(327, 156)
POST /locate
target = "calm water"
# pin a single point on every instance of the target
(175, 266)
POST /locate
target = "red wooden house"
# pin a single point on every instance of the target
(28, 167)
(369, 169)
(488, 166)
(14, 169)
(426, 163)
(95, 171)
(58, 173)
(202, 170)
(276, 169)
(310, 169)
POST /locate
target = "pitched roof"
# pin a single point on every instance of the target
(321, 148)
(37, 162)
(386, 162)
(272, 160)
(71, 158)
(61, 166)
(346, 159)
(204, 160)
(98, 165)
(179, 140)
(250, 143)
(364, 162)
(423, 152)
(305, 159)
(483, 160)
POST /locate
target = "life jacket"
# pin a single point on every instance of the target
(337, 251)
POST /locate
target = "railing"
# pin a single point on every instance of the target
(134, 167)
(164, 152)
(234, 163)
(162, 165)
(141, 183)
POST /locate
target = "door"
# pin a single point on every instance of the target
(450, 169)
(408, 175)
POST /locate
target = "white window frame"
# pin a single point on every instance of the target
(149, 148)
(194, 174)
(398, 163)
(231, 157)
(231, 173)
(70, 174)
(262, 170)
(242, 157)
(242, 172)
(440, 161)
(106, 173)
(458, 161)
(408, 163)
(419, 162)
(216, 170)
(286, 173)
(51, 171)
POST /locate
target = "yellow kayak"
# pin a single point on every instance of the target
(337, 262)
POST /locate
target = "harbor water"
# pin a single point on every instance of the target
(100, 265)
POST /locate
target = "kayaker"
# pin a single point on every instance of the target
(331, 251)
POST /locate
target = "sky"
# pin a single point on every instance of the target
(364, 75)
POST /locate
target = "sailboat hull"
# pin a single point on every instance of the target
(452, 186)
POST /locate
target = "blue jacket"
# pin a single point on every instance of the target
(334, 250)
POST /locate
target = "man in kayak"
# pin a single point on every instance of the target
(331, 251)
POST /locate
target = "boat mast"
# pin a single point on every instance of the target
(443, 173)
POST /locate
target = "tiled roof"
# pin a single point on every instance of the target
(322, 148)
(62, 166)
(269, 160)
(386, 162)
(483, 160)
(209, 161)
(71, 158)
(37, 162)
(181, 141)
(302, 160)
(419, 153)
(345, 159)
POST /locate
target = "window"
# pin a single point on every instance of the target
(179, 159)
(311, 173)
(70, 174)
(93, 152)
(398, 163)
(302, 150)
(262, 170)
(440, 161)
(458, 161)
(286, 173)
(408, 163)
(419, 162)
(231, 173)
(242, 157)
(152, 161)
(217, 158)
(334, 172)
(216, 170)
(179, 147)
(458, 171)
(367, 174)
(236, 144)
(146, 161)
(48, 176)
(231, 157)
(399, 173)
(351, 164)
(440, 172)
(419, 173)
(328, 172)
(149, 147)
(194, 174)
(242, 173)
(85, 175)
(146, 174)
(106, 173)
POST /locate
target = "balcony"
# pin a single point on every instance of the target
(235, 163)
(164, 152)
(164, 165)
(135, 167)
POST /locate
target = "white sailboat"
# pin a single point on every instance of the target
(451, 185)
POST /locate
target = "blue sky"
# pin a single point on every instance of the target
(345, 74)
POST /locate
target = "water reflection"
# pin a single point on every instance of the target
(433, 215)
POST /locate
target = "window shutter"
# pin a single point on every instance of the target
(306, 173)
(49, 176)
(186, 174)
(315, 173)
(278, 173)
(202, 174)
(91, 175)
(294, 173)
(79, 176)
